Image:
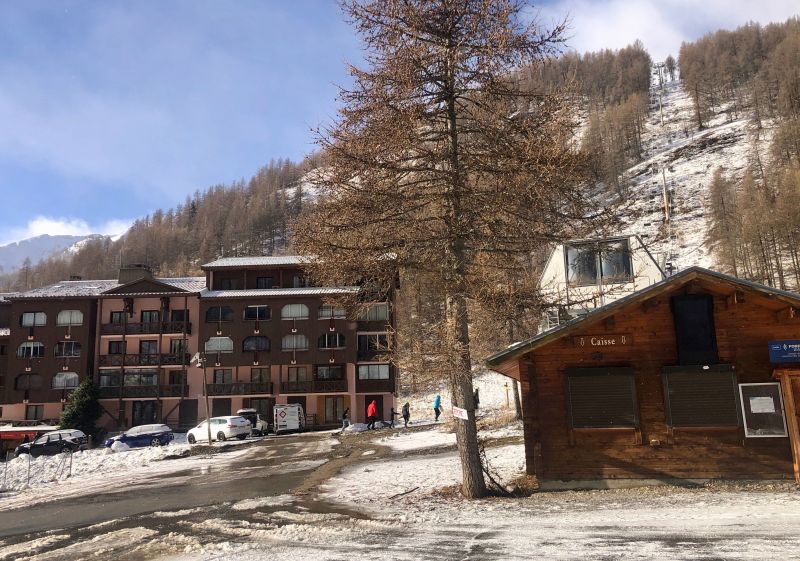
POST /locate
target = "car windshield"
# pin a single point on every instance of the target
(41, 440)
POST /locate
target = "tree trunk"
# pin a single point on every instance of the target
(517, 400)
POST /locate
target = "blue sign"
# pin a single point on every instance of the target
(784, 351)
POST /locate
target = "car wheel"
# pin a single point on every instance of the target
(191, 439)
(155, 443)
(221, 436)
(241, 436)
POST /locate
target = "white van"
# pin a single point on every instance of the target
(289, 417)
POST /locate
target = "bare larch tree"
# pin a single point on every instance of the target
(442, 162)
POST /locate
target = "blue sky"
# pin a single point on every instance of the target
(109, 110)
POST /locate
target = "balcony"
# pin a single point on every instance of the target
(314, 386)
(145, 360)
(240, 388)
(169, 390)
(145, 328)
(375, 386)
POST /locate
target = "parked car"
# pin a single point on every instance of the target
(143, 435)
(259, 426)
(55, 442)
(222, 428)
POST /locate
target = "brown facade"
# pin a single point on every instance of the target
(568, 375)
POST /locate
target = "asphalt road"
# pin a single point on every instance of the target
(266, 470)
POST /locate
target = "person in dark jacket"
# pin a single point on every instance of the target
(372, 414)
(346, 418)
(476, 398)
(406, 412)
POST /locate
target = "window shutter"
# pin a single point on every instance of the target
(602, 398)
(696, 397)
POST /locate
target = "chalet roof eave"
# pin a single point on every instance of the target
(522, 347)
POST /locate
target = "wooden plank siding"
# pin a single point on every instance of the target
(554, 451)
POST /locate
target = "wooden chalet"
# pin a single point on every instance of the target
(694, 377)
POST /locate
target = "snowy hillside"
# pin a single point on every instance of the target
(13, 255)
(688, 158)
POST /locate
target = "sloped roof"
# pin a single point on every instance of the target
(518, 349)
(89, 288)
(256, 261)
(4, 296)
(272, 292)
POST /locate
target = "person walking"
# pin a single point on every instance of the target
(406, 411)
(476, 398)
(392, 418)
(372, 414)
(437, 406)
(346, 418)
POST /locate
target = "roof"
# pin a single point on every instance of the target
(89, 288)
(257, 261)
(518, 349)
(267, 292)
(4, 296)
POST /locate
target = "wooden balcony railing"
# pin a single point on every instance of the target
(144, 360)
(375, 386)
(314, 386)
(240, 388)
(145, 328)
(168, 390)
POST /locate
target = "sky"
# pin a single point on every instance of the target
(110, 110)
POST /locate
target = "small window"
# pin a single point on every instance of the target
(117, 318)
(219, 313)
(148, 347)
(373, 371)
(259, 343)
(177, 316)
(30, 319)
(294, 311)
(68, 349)
(263, 282)
(116, 347)
(150, 316)
(376, 312)
(595, 262)
(227, 284)
(602, 398)
(762, 410)
(30, 349)
(332, 372)
(373, 342)
(109, 379)
(332, 340)
(331, 312)
(65, 380)
(177, 377)
(34, 413)
(257, 313)
(294, 342)
(259, 375)
(28, 382)
(178, 346)
(141, 378)
(223, 376)
(69, 317)
(297, 374)
(299, 281)
(701, 396)
(219, 345)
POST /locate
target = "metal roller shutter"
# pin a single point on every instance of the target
(701, 398)
(602, 398)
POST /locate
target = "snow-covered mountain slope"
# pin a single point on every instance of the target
(13, 255)
(688, 158)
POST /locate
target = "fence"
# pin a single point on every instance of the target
(22, 472)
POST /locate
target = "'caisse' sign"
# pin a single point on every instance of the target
(597, 341)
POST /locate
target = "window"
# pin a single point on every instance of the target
(141, 378)
(332, 340)
(263, 406)
(259, 343)
(373, 342)
(29, 319)
(179, 315)
(330, 312)
(64, 380)
(332, 372)
(263, 282)
(117, 318)
(109, 379)
(30, 349)
(695, 335)
(260, 313)
(598, 262)
(334, 408)
(178, 346)
(148, 347)
(376, 312)
(602, 398)
(68, 348)
(701, 396)
(294, 342)
(177, 377)
(69, 317)
(762, 410)
(150, 316)
(223, 376)
(219, 313)
(34, 412)
(28, 382)
(297, 374)
(373, 371)
(259, 375)
(294, 311)
(116, 347)
(299, 281)
(219, 345)
(227, 284)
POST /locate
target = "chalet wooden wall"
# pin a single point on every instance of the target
(555, 452)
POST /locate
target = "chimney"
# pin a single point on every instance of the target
(133, 272)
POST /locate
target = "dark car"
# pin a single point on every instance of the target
(52, 443)
(143, 435)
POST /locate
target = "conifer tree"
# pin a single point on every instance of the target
(83, 409)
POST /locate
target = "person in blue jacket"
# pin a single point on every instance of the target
(437, 406)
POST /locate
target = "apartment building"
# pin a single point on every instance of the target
(251, 333)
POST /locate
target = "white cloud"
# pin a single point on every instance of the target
(660, 24)
(42, 225)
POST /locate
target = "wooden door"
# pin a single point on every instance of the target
(790, 390)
